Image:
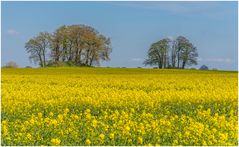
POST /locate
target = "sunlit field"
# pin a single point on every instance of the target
(113, 106)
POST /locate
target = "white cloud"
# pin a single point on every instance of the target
(12, 32)
(137, 59)
(220, 60)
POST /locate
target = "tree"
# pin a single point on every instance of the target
(11, 64)
(157, 54)
(203, 67)
(168, 53)
(174, 53)
(186, 52)
(100, 50)
(37, 48)
(78, 45)
(189, 56)
(55, 43)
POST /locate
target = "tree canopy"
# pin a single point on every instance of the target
(78, 45)
(168, 53)
(11, 64)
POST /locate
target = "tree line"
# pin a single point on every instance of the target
(78, 45)
(82, 45)
(172, 53)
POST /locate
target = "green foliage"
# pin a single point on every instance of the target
(168, 53)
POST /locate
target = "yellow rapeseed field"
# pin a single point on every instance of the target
(113, 106)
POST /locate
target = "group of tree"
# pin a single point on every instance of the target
(172, 53)
(78, 45)
(11, 64)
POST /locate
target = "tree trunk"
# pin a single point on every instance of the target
(76, 55)
(87, 57)
(70, 52)
(183, 65)
(160, 64)
(63, 55)
(40, 58)
(79, 56)
(165, 61)
(178, 60)
(91, 60)
(57, 54)
(173, 59)
(44, 57)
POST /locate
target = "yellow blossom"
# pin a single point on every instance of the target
(55, 141)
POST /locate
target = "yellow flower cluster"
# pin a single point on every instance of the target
(112, 106)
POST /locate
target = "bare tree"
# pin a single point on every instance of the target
(37, 48)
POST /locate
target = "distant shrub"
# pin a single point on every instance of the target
(70, 63)
(203, 67)
(28, 67)
(65, 64)
(55, 64)
(170, 67)
(11, 64)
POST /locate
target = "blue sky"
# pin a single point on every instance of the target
(132, 27)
